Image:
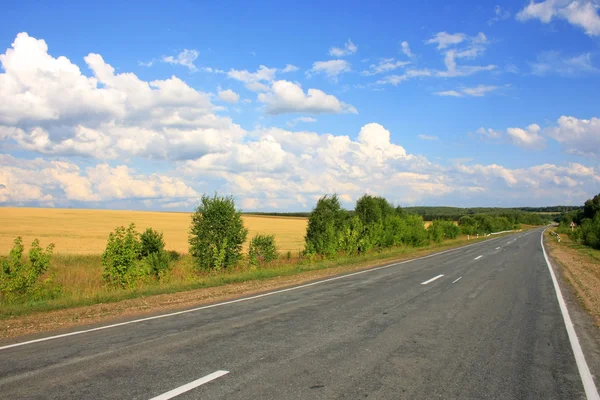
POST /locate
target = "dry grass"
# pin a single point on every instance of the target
(85, 231)
(581, 268)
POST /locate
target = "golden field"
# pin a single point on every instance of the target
(86, 231)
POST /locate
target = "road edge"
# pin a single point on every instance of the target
(587, 378)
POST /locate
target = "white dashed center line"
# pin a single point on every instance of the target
(189, 386)
(478, 257)
(431, 280)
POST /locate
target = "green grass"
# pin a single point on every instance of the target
(86, 270)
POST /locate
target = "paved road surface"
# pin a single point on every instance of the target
(489, 328)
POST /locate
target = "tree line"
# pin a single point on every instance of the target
(587, 221)
(217, 235)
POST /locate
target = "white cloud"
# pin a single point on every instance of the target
(289, 68)
(581, 13)
(554, 63)
(427, 137)
(58, 182)
(487, 133)
(527, 138)
(295, 121)
(473, 47)
(499, 15)
(384, 65)
(185, 58)
(445, 39)
(255, 81)
(349, 48)
(288, 97)
(477, 91)
(577, 136)
(146, 64)
(229, 96)
(405, 48)
(48, 106)
(332, 68)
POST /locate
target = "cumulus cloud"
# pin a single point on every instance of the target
(185, 58)
(580, 13)
(255, 81)
(488, 133)
(288, 97)
(332, 68)
(47, 105)
(289, 68)
(527, 138)
(577, 136)
(349, 48)
(554, 63)
(59, 182)
(229, 96)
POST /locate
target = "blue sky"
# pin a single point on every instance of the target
(147, 105)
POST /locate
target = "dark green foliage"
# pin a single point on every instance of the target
(524, 215)
(591, 208)
(120, 258)
(173, 255)
(158, 264)
(587, 222)
(217, 233)
(19, 277)
(152, 242)
(262, 250)
(324, 226)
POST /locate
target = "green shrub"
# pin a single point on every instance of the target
(120, 257)
(19, 277)
(151, 242)
(262, 250)
(158, 264)
(351, 236)
(217, 233)
(436, 231)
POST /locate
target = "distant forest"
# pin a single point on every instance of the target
(454, 213)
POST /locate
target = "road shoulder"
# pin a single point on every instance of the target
(583, 321)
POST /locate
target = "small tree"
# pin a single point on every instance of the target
(120, 257)
(152, 242)
(18, 277)
(324, 225)
(262, 250)
(217, 233)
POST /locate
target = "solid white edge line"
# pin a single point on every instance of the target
(478, 257)
(457, 279)
(189, 386)
(335, 278)
(586, 376)
(432, 279)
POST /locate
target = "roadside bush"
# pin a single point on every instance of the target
(450, 229)
(173, 255)
(19, 277)
(151, 242)
(158, 264)
(217, 233)
(436, 231)
(120, 258)
(262, 250)
(413, 231)
(351, 236)
(324, 225)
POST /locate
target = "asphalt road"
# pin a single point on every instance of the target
(489, 328)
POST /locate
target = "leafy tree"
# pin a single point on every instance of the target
(120, 257)
(158, 263)
(324, 225)
(17, 276)
(217, 233)
(351, 237)
(262, 250)
(152, 242)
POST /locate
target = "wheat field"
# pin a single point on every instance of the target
(85, 231)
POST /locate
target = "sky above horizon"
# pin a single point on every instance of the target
(149, 105)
